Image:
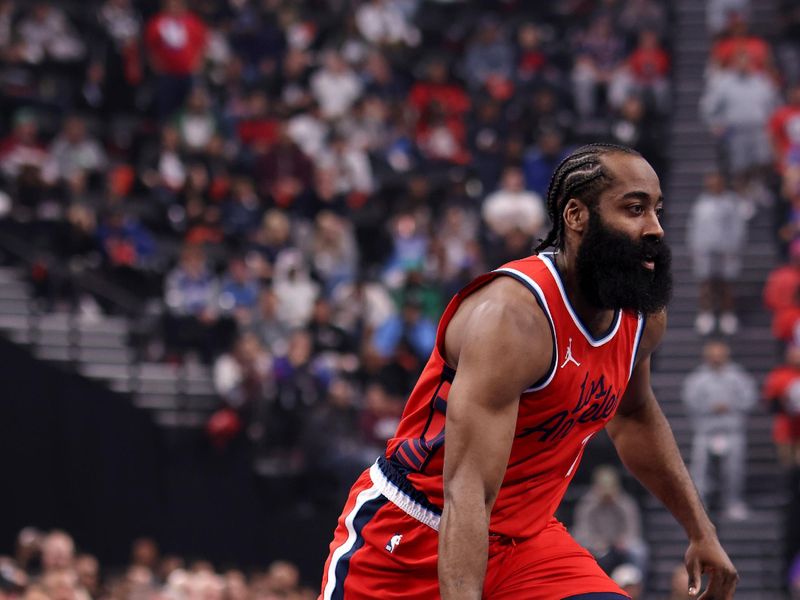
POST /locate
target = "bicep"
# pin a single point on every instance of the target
(497, 361)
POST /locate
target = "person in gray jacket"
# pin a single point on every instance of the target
(716, 234)
(718, 394)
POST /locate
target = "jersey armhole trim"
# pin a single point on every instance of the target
(538, 294)
(637, 341)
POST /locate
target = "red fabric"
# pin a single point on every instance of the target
(176, 43)
(648, 64)
(781, 289)
(725, 51)
(258, 131)
(784, 126)
(452, 99)
(786, 428)
(784, 321)
(550, 565)
(553, 424)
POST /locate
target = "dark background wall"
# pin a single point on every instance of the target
(77, 456)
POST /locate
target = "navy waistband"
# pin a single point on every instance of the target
(395, 475)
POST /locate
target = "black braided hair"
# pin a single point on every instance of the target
(580, 175)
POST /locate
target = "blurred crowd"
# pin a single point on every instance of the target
(49, 566)
(751, 106)
(290, 191)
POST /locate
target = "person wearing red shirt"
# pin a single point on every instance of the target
(781, 392)
(725, 51)
(782, 295)
(784, 127)
(175, 40)
(649, 61)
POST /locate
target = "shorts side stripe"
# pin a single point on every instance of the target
(367, 504)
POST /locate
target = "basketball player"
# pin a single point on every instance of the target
(531, 360)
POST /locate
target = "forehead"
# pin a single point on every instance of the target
(631, 173)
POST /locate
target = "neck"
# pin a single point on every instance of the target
(597, 320)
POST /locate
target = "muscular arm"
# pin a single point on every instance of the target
(502, 348)
(647, 447)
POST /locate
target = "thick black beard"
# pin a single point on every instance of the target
(611, 274)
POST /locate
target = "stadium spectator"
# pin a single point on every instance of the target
(409, 333)
(272, 331)
(488, 61)
(58, 552)
(598, 54)
(333, 445)
(782, 295)
(283, 171)
(718, 394)
(243, 377)
(175, 40)
(385, 22)
(195, 122)
(45, 33)
(242, 211)
(335, 86)
(191, 293)
(721, 14)
(647, 73)
(607, 522)
(781, 392)
(736, 105)
(784, 128)
(740, 42)
(87, 568)
(74, 153)
(294, 289)
(238, 293)
(513, 207)
(541, 161)
(301, 384)
(21, 150)
(716, 234)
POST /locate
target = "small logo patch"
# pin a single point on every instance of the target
(568, 358)
(394, 542)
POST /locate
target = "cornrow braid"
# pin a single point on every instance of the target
(580, 175)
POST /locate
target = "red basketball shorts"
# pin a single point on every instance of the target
(379, 551)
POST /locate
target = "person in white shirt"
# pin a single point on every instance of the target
(335, 86)
(513, 207)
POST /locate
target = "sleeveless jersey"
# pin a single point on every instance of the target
(557, 415)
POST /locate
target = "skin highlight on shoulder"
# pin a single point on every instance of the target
(505, 315)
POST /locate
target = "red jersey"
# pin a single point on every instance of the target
(784, 125)
(557, 415)
(177, 42)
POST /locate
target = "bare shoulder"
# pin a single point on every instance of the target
(504, 323)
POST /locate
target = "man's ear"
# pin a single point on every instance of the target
(576, 216)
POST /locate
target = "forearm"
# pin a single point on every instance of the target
(463, 549)
(647, 447)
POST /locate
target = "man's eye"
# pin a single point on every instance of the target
(660, 212)
(636, 209)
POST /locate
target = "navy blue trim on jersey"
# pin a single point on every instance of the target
(541, 303)
(364, 516)
(395, 475)
(571, 309)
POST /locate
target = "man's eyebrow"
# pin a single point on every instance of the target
(640, 195)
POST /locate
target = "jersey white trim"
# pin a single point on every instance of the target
(402, 500)
(575, 319)
(364, 497)
(636, 341)
(537, 291)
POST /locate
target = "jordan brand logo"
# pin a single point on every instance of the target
(568, 358)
